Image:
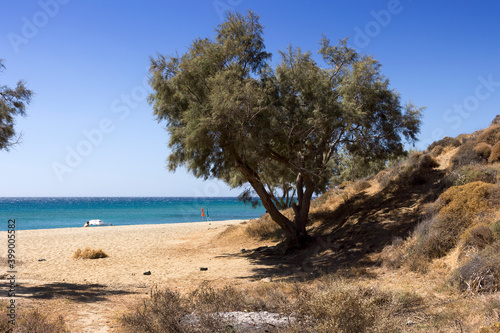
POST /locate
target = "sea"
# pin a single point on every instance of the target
(49, 213)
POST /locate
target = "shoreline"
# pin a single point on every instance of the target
(127, 225)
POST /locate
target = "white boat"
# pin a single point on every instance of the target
(96, 222)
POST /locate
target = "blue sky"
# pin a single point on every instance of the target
(90, 132)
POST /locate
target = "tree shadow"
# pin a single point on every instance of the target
(76, 292)
(345, 238)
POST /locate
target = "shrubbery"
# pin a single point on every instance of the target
(89, 253)
(456, 209)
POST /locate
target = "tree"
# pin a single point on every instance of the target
(232, 116)
(12, 103)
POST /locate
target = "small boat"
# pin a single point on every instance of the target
(96, 222)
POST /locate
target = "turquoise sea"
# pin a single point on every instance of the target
(49, 213)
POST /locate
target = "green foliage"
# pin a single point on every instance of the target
(232, 116)
(12, 103)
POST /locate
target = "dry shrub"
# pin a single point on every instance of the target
(437, 150)
(361, 185)
(444, 142)
(400, 173)
(482, 272)
(478, 236)
(483, 149)
(495, 153)
(345, 184)
(466, 155)
(89, 253)
(427, 162)
(337, 307)
(31, 320)
(495, 328)
(495, 227)
(472, 173)
(392, 256)
(265, 228)
(491, 135)
(456, 209)
(162, 312)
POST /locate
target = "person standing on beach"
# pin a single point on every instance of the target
(86, 224)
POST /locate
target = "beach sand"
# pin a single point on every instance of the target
(173, 253)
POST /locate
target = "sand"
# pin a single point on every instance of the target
(91, 293)
(173, 253)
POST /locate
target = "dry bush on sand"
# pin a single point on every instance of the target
(31, 320)
(264, 228)
(89, 253)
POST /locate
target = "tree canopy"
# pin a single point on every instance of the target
(13, 103)
(234, 117)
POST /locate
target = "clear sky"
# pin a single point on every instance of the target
(90, 131)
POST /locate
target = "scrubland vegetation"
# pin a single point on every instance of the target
(414, 248)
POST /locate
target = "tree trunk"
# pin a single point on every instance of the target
(301, 209)
(285, 224)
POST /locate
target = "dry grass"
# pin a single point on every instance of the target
(483, 149)
(482, 272)
(472, 173)
(328, 304)
(478, 236)
(437, 150)
(456, 209)
(31, 320)
(264, 228)
(495, 153)
(444, 142)
(491, 135)
(89, 253)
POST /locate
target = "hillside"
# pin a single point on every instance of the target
(429, 226)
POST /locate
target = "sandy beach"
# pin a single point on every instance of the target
(173, 253)
(92, 293)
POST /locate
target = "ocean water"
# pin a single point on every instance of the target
(49, 213)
